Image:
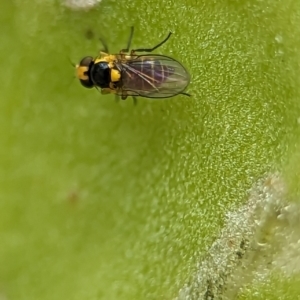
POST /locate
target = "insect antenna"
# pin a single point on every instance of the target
(74, 66)
(70, 61)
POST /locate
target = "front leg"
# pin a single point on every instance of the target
(106, 91)
(103, 54)
(124, 97)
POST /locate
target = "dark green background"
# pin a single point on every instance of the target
(105, 200)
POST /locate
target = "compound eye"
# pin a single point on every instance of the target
(86, 61)
(83, 71)
(86, 83)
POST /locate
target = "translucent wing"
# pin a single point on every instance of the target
(153, 76)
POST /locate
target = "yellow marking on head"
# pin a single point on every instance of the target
(81, 72)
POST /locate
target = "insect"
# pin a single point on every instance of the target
(129, 74)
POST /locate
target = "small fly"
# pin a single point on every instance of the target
(129, 74)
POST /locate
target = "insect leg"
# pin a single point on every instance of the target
(129, 41)
(104, 45)
(151, 49)
(134, 100)
(185, 94)
(105, 91)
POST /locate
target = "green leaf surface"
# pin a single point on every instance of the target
(106, 200)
